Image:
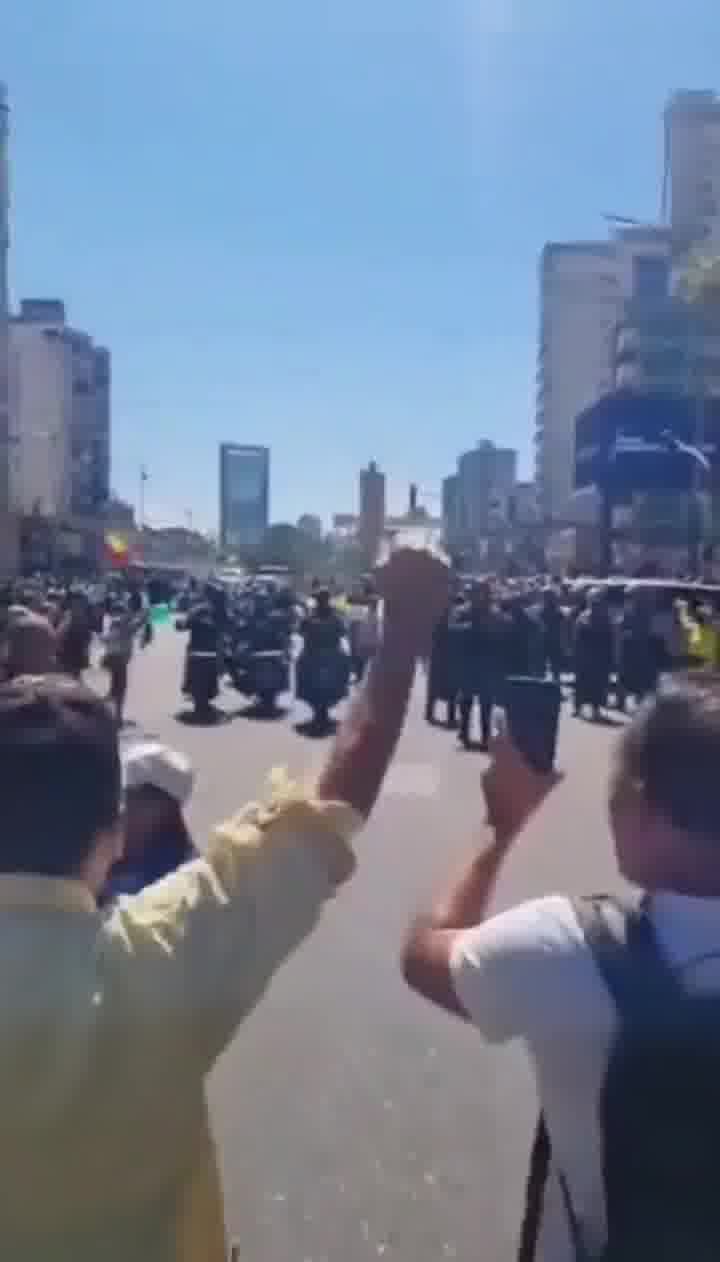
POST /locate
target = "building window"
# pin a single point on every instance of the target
(651, 277)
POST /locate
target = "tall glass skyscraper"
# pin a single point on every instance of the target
(244, 495)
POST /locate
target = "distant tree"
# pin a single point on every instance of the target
(280, 546)
(304, 554)
(350, 561)
(700, 284)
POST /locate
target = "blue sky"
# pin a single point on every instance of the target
(316, 223)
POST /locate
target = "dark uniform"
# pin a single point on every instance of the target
(482, 664)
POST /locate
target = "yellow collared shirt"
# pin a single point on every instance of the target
(110, 1025)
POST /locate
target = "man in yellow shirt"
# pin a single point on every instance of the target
(110, 1025)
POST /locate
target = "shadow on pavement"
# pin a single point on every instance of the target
(255, 710)
(601, 720)
(208, 718)
(472, 746)
(314, 730)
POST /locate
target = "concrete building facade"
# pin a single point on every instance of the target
(372, 509)
(450, 506)
(691, 186)
(668, 346)
(485, 481)
(584, 287)
(4, 299)
(60, 415)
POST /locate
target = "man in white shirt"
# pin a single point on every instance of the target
(528, 973)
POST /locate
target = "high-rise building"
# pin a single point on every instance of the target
(4, 302)
(60, 408)
(691, 187)
(668, 346)
(244, 496)
(371, 518)
(524, 508)
(485, 480)
(584, 287)
(578, 311)
(594, 292)
(450, 496)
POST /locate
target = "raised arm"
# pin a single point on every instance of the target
(218, 929)
(513, 790)
(414, 586)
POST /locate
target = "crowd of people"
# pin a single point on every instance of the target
(602, 648)
(46, 627)
(129, 957)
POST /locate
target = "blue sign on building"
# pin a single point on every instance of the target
(624, 442)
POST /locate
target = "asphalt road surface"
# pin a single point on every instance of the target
(354, 1122)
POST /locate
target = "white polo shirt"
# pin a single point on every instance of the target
(528, 974)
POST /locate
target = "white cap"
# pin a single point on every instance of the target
(151, 763)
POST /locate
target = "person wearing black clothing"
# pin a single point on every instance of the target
(640, 656)
(481, 630)
(323, 632)
(594, 655)
(521, 640)
(268, 627)
(323, 629)
(554, 633)
(204, 637)
(203, 627)
(442, 669)
(75, 637)
(135, 600)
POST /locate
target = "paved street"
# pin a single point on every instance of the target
(354, 1122)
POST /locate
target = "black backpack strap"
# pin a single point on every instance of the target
(537, 1180)
(620, 935)
(535, 1193)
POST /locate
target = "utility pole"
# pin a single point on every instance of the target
(141, 498)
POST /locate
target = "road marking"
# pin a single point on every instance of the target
(413, 780)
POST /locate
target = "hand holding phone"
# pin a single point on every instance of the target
(520, 774)
(532, 713)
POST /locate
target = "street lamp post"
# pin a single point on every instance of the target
(700, 467)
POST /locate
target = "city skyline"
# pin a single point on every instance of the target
(364, 277)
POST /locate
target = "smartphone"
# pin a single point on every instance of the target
(532, 714)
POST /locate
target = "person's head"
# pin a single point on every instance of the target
(158, 782)
(59, 781)
(550, 598)
(322, 600)
(31, 646)
(665, 791)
